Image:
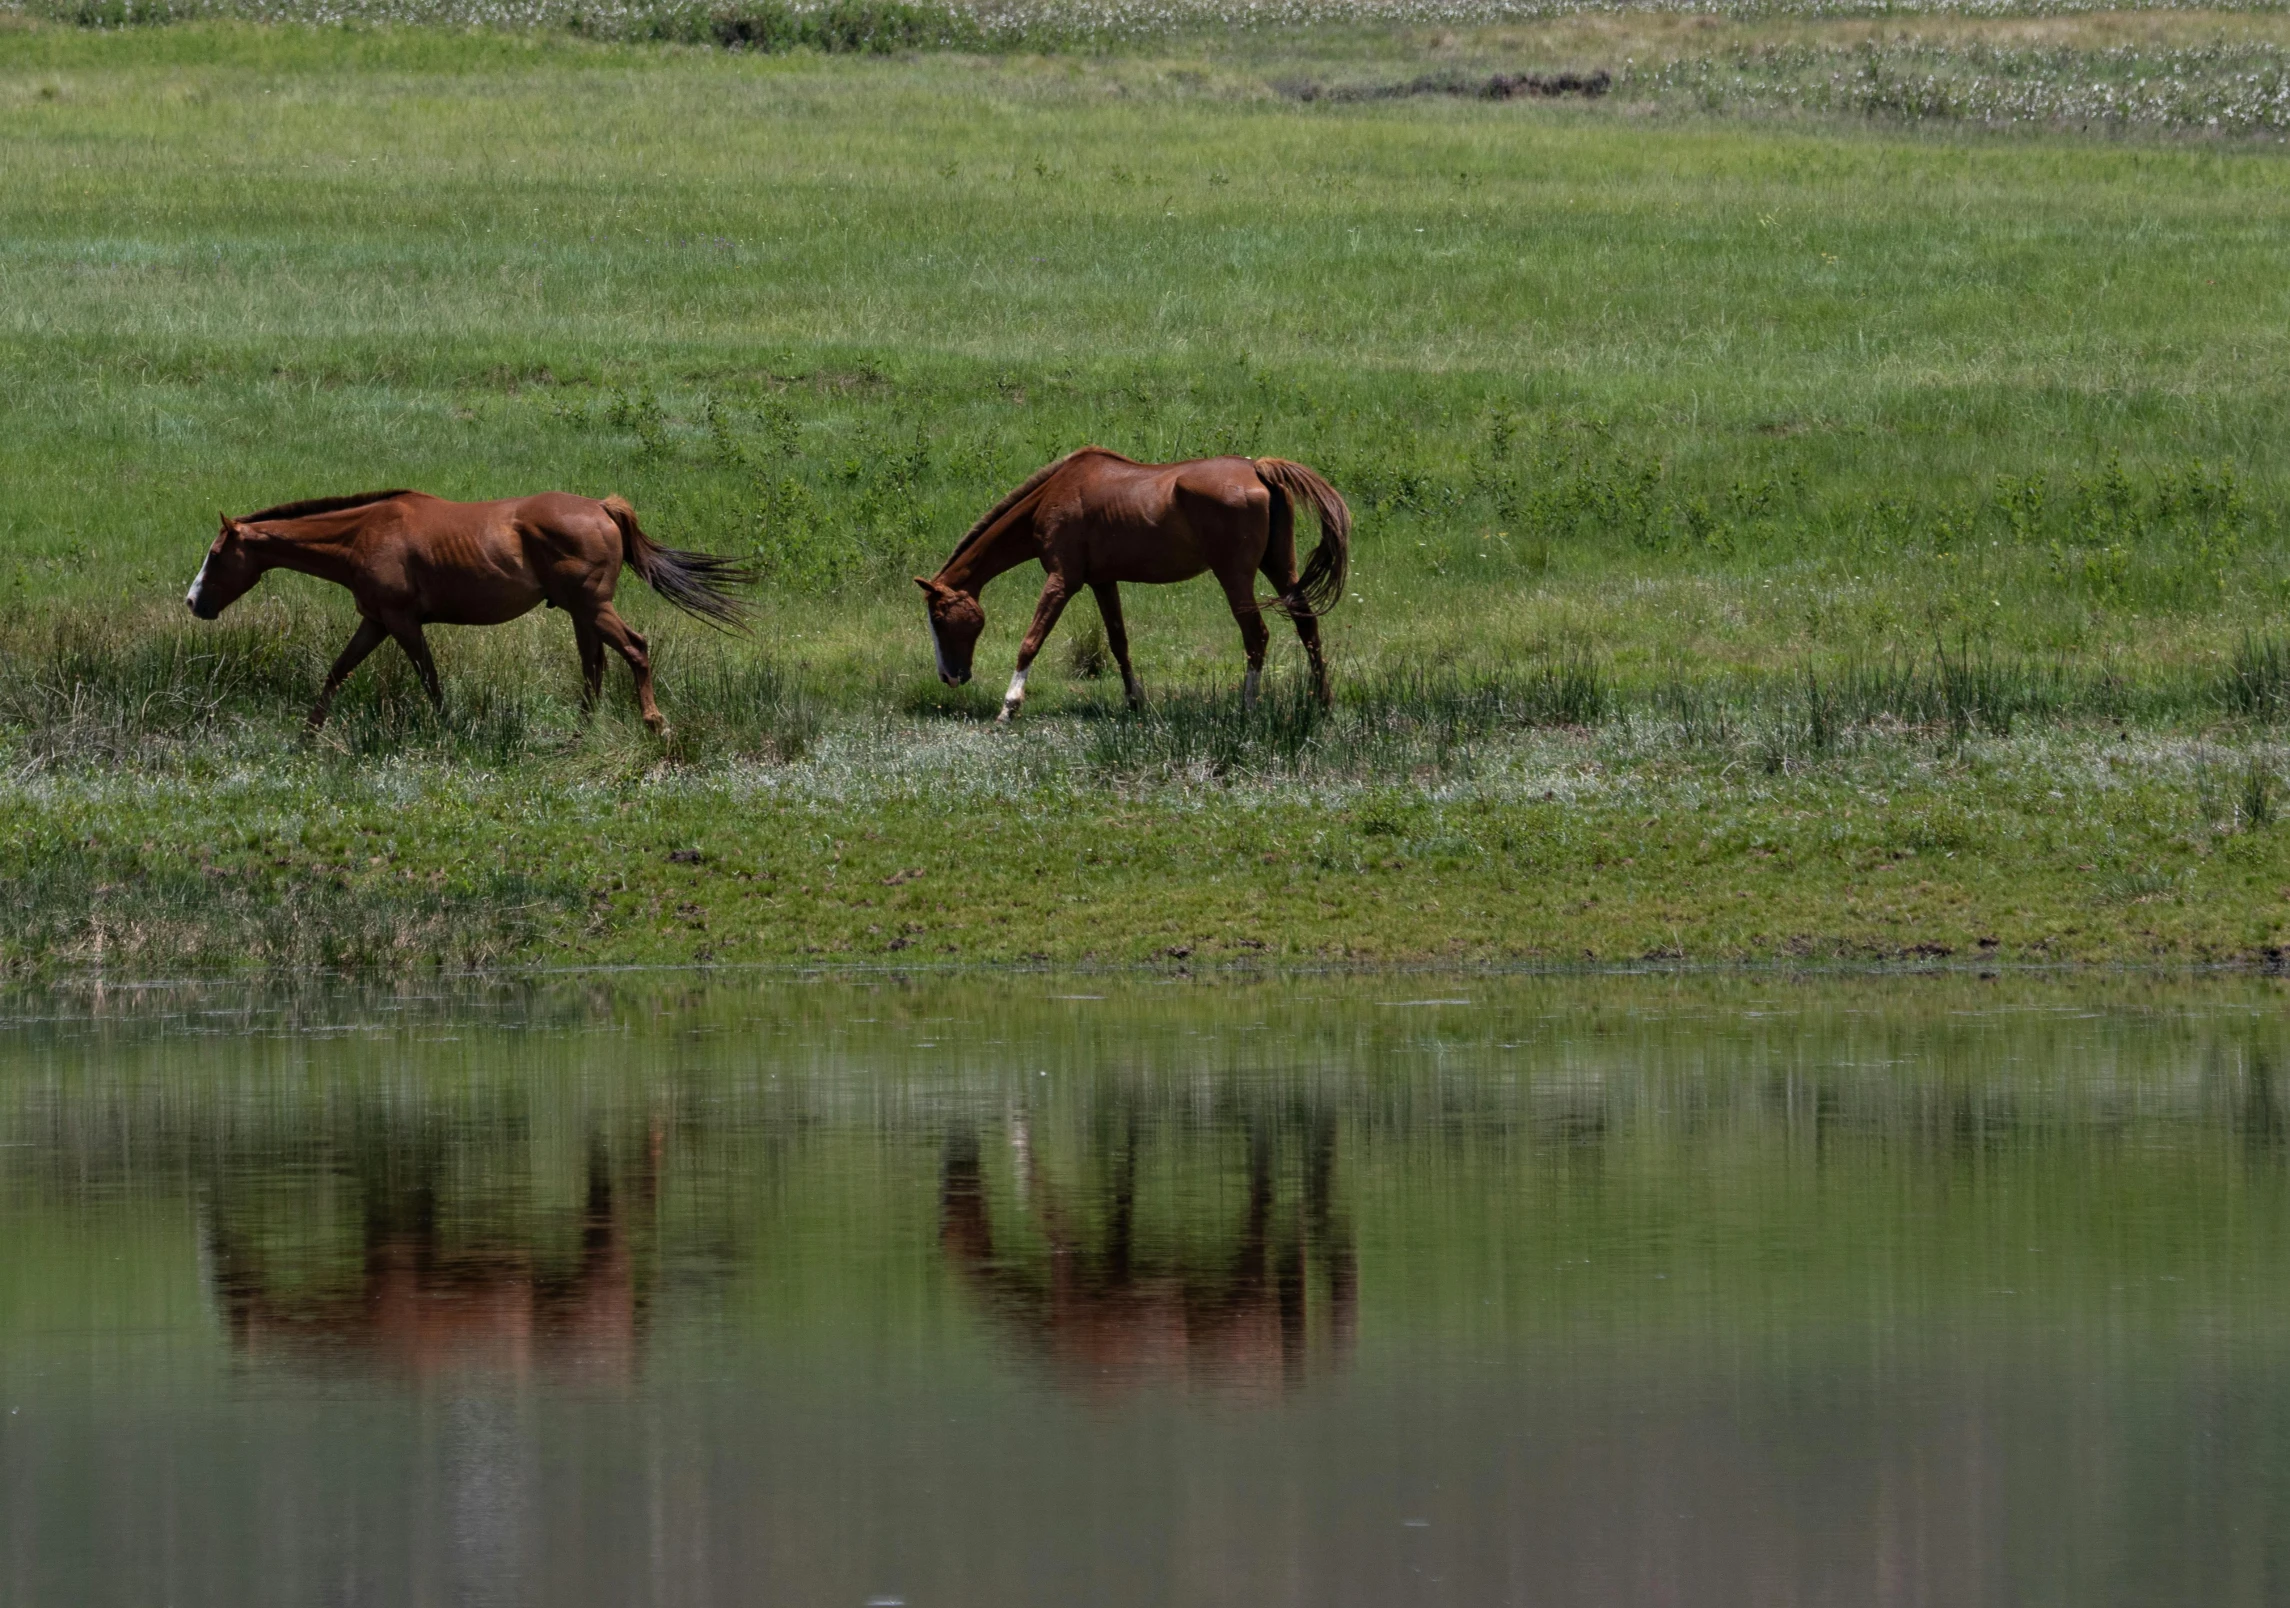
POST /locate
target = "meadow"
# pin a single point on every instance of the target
(1819, 495)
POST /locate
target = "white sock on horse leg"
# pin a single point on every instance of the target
(1017, 693)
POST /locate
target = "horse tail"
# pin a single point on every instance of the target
(1320, 584)
(694, 582)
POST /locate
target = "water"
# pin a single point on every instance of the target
(1025, 1290)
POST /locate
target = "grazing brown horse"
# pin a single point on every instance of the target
(1096, 519)
(412, 560)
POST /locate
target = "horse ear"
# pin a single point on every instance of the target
(924, 584)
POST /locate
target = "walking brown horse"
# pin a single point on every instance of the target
(1097, 519)
(410, 560)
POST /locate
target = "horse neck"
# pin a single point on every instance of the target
(1006, 546)
(326, 556)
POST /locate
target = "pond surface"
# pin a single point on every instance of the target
(1015, 1290)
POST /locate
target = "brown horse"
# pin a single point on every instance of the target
(1097, 519)
(412, 560)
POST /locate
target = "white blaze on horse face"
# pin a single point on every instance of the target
(938, 647)
(191, 598)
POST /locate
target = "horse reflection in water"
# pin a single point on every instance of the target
(1273, 1300)
(427, 1306)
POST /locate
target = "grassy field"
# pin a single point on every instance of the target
(1795, 518)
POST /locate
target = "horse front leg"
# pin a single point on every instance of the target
(1279, 568)
(1117, 638)
(363, 641)
(1055, 591)
(1308, 632)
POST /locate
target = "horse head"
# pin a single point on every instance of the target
(956, 619)
(228, 574)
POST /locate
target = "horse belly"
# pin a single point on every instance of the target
(478, 597)
(1152, 569)
(1147, 551)
(485, 611)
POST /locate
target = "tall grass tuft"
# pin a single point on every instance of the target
(1564, 689)
(484, 722)
(88, 690)
(96, 689)
(85, 907)
(1200, 736)
(2257, 679)
(2257, 794)
(1960, 693)
(1087, 655)
(1396, 723)
(735, 706)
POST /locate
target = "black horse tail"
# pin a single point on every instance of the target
(1320, 584)
(694, 582)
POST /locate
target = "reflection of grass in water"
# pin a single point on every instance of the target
(1636, 1122)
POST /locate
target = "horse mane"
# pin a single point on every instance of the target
(1033, 483)
(322, 505)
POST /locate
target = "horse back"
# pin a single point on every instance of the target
(1106, 485)
(481, 562)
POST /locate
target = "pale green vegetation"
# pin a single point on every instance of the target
(1794, 484)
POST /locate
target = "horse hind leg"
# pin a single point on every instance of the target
(636, 651)
(1240, 595)
(591, 646)
(1280, 569)
(1238, 526)
(1308, 632)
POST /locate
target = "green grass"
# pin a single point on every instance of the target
(1745, 500)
